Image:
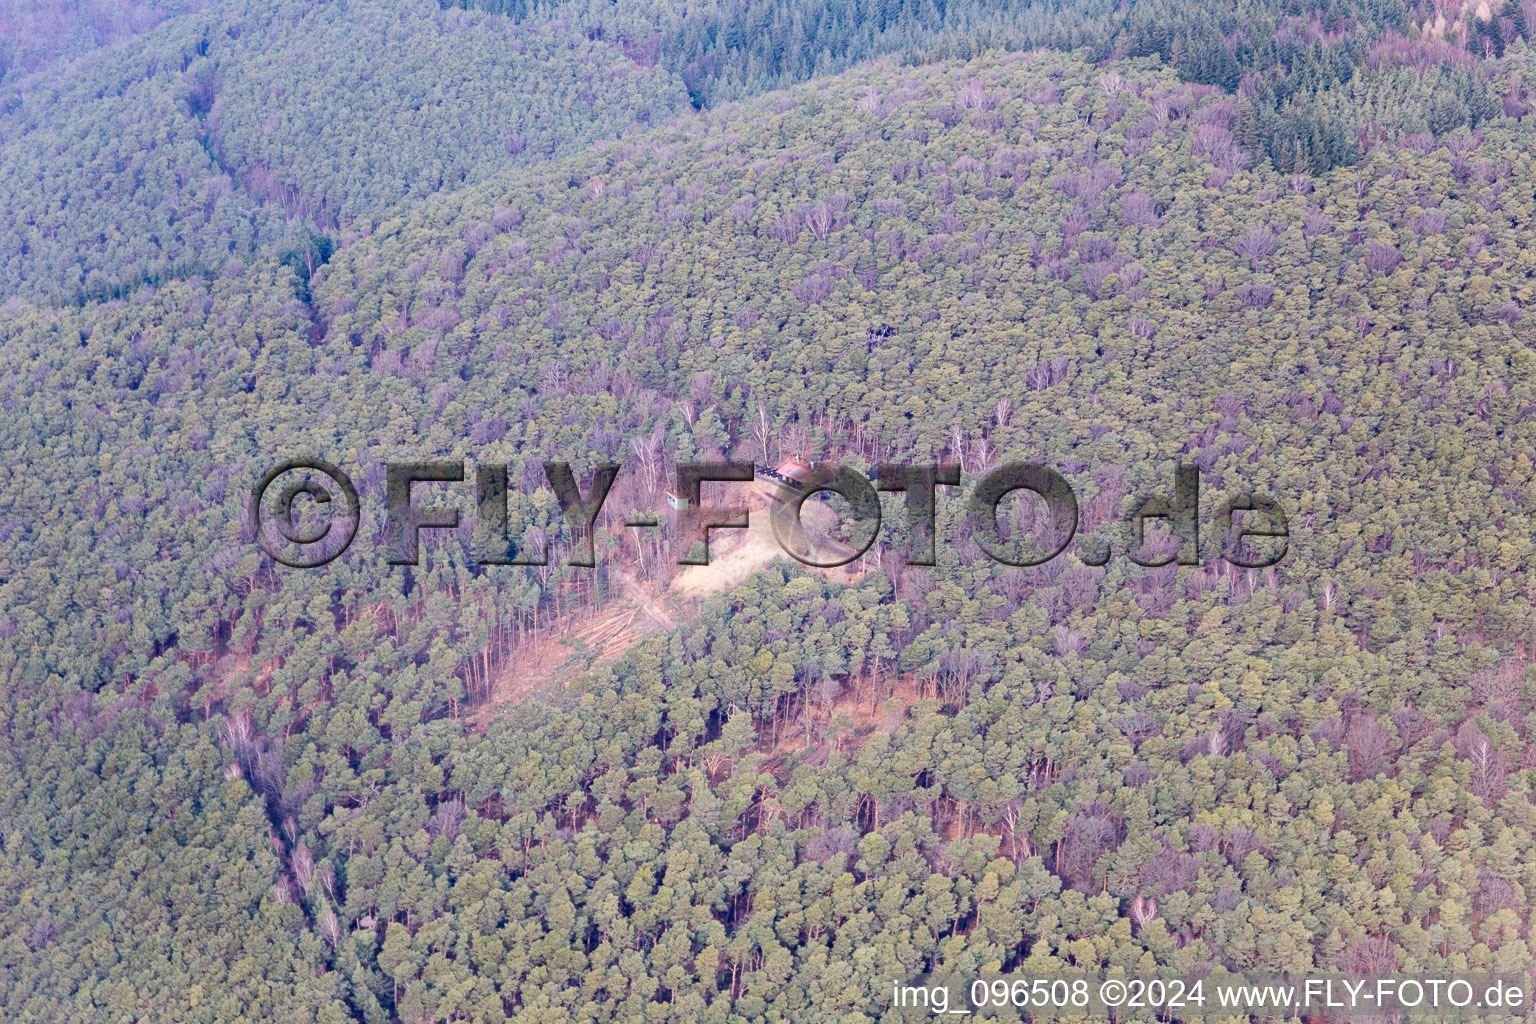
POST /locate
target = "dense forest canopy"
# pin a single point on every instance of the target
(1309, 76)
(235, 792)
(271, 126)
(36, 33)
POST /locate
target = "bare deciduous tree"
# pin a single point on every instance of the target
(763, 433)
(1368, 743)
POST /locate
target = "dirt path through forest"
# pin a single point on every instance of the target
(733, 556)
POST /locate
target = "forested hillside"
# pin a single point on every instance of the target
(274, 126)
(815, 784)
(1316, 84)
(36, 33)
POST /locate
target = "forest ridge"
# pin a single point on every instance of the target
(1293, 248)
